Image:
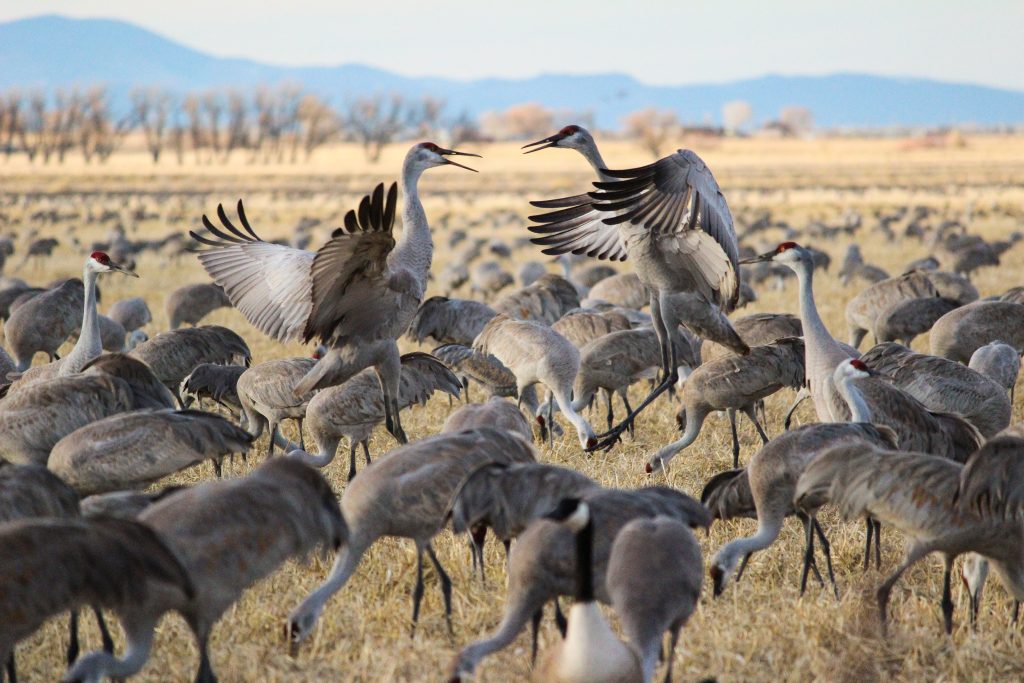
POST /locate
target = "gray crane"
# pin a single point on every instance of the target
(356, 407)
(496, 412)
(406, 494)
(544, 301)
(962, 331)
(174, 354)
(44, 322)
(449, 321)
(64, 564)
(357, 294)
(670, 217)
(998, 361)
(191, 303)
(230, 534)
(132, 450)
(863, 310)
(266, 393)
(216, 382)
(133, 313)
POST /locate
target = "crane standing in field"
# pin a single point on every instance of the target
(670, 217)
(356, 294)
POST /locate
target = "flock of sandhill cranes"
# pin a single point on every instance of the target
(917, 442)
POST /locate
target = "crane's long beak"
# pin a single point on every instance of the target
(758, 259)
(448, 152)
(121, 269)
(544, 144)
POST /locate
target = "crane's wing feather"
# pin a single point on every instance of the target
(269, 283)
(576, 226)
(679, 202)
(350, 273)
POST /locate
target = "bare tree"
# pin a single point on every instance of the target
(798, 120)
(424, 117)
(237, 132)
(375, 122)
(464, 128)
(518, 122)
(194, 114)
(318, 123)
(213, 107)
(152, 110)
(102, 135)
(12, 107)
(652, 128)
(736, 114)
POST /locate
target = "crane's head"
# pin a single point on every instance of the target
(855, 368)
(427, 155)
(789, 253)
(570, 137)
(99, 262)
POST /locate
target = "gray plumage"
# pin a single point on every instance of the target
(544, 301)
(173, 355)
(998, 361)
(135, 449)
(64, 564)
(45, 322)
(213, 381)
(496, 412)
(132, 313)
(727, 495)
(124, 504)
(959, 333)
(146, 389)
(449, 321)
(953, 286)
(622, 289)
(581, 326)
(904, 320)
(755, 330)
(863, 309)
(355, 408)
(266, 392)
(944, 386)
(191, 303)
(542, 564)
(406, 494)
(230, 534)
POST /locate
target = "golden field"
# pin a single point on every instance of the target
(760, 629)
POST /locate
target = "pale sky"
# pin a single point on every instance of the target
(660, 41)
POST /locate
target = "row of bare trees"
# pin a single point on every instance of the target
(285, 123)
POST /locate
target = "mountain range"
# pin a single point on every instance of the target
(50, 51)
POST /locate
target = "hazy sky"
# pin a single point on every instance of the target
(660, 41)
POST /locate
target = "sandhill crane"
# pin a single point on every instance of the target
(962, 331)
(174, 354)
(266, 393)
(537, 354)
(953, 286)
(449, 321)
(916, 427)
(496, 412)
(863, 310)
(904, 320)
(355, 408)
(357, 294)
(670, 216)
(489, 277)
(541, 564)
(545, 301)
(487, 371)
(133, 313)
(405, 494)
(998, 361)
(28, 491)
(284, 509)
(622, 289)
(214, 381)
(529, 272)
(654, 578)
(734, 383)
(133, 450)
(773, 472)
(90, 340)
(755, 329)
(191, 303)
(507, 498)
(582, 326)
(124, 504)
(63, 564)
(944, 386)
(145, 388)
(916, 493)
(44, 322)
(855, 267)
(591, 651)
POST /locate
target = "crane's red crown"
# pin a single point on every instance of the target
(431, 146)
(569, 130)
(100, 257)
(859, 364)
(786, 246)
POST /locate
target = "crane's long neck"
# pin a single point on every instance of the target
(592, 154)
(415, 248)
(89, 344)
(822, 352)
(859, 410)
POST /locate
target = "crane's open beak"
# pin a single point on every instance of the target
(121, 269)
(758, 259)
(545, 143)
(448, 152)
